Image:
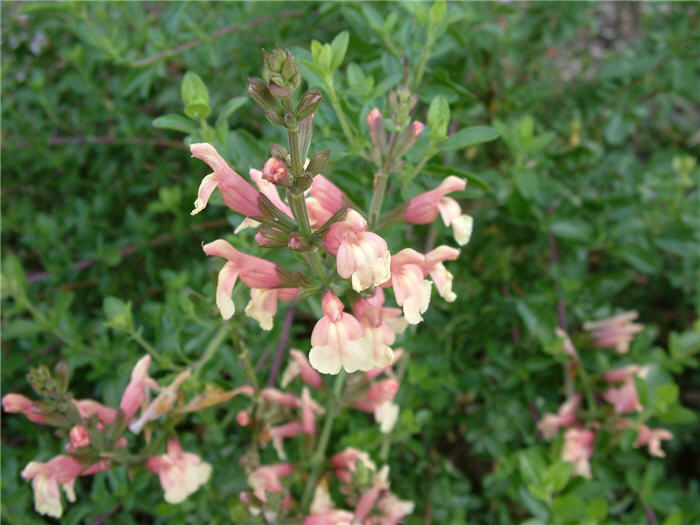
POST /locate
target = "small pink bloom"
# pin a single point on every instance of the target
(550, 423)
(325, 198)
(137, 389)
(394, 509)
(267, 479)
(408, 138)
(624, 399)
(46, 478)
(369, 498)
(79, 437)
(410, 289)
(652, 437)
(338, 341)
(578, 449)
(274, 170)
(253, 271)
(379, 400)
(441, 277)
(161, 404)
(107, 415)
(181, 473)
(374, 118)
(308, 407)
(425, 208)
(621, 375)
(278, 433)
(345, 463)
(263, 304)
(243, 418)
(380, 325)
(283, 399)
(308, 374)
(615, 332)
(361, 255)
(566, 346)
(268, 189)
(238, 194)
(17, 403)
(323, 511)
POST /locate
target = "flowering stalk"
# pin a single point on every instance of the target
(381, 179)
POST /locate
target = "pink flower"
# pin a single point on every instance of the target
(267, 479)
(137, 389)
(410, 289)
(325, 198)
(380, 325)
(361, 255)
(79, 437)
(425, 207)
(550, 423)
(181, 473)
(243, 418)
(369, 498)
(268, 189)
(278, 433)
(441, 277)
(161, 404)
(408, 138)
(238, 194)
(17, 403)
(624, 399)
(615, 332)
(274, 170)
(323, 511)
(393, 509)
(652, 437)
(308, 407)
(578, 449)
(46, 478)
(345, 463)
(301, 366)
(338, 341)
(626, 373)
(90, 407)
(263, 304)
(253, 271)
(283, 399)
(379, 400)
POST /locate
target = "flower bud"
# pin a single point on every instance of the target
(62, 373)
(243, 418)
(308, 104)
(274, 170)
(275, 117)
(297, 242)
(290, 70)
(270, 238)
(274, 61)
(303, 182)
(79, 436)
(290, 122)
(260, 93)
(408, 138)
(278, 87)
(278, 151)
(318, 161)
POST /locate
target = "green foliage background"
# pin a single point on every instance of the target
(590, 201)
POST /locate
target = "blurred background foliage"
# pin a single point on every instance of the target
(589, 206)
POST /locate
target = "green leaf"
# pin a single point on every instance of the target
(339, 47)
(175, 122)
(437, 169)
(197, 111)
(118, 314)
(644, 261)
(568, 508)
(193, 90)
(597, 510)
(571, 229)
(527, 183)
(558, 476)
(438, 119)
(469, 136)
(437, 12)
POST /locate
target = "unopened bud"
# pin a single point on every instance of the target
(270, 238)
(408, 138)
(290, 122)
(278, 87)
(318, 161)
(243, 418)
(278, 151)
(62, 374)
(297, 242)
(377, 135)
(308, 104)
(260, 93)
(79, 436)
(275, 117)
(274, 61)
(303, 182)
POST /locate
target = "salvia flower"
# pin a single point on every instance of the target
(253, 271)
(624, 399)
(161, 404)
(615, 332)
(338, 341)
(325, 198)
(323, 511)
(274, 171)
(361, 256)
(239, 195)
(652, 437)
(19, 404)
(411, 291)
(425, 208)
(381, 325)
(550, 423)
(393, 509)
(266, 479)
(137, 389)
(578, 449)
(47, 478)
(379, 400)
(181, 473)
(434, 267)
(263, 304)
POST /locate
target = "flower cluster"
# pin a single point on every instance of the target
(620, 395)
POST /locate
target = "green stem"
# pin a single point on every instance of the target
(335, 403)
(423, 61)
(432, 150)
(211, 348)
(380, 182)
(341, 116)
(245, 358)
(162, 360)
